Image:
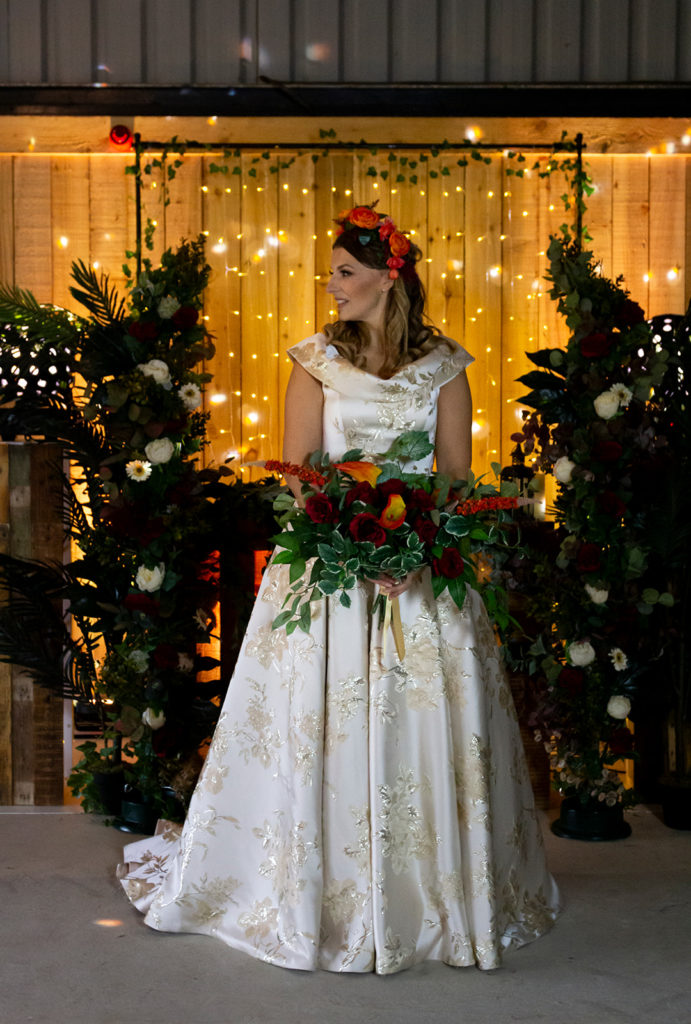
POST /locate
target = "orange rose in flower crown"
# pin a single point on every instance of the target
(379, 231)
(363, 217)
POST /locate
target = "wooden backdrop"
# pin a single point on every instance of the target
(484, 237)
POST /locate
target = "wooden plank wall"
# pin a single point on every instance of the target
(220, 42)
(269, 236)
(31, 718)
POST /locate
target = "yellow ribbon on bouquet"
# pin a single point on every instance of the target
(392, 617)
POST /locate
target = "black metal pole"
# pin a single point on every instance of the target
(579, 190)
(138, 199)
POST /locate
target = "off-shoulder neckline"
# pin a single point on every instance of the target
(449, 353)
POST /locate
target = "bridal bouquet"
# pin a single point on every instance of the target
(362, 521)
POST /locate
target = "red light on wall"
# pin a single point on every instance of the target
(121, 136)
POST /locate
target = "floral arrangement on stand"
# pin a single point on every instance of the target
(145, 516)
(363, 520)
(596, 428)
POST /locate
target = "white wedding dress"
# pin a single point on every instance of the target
(355, 813)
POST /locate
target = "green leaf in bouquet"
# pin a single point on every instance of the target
(305, 617)
(352, 455)
(327, 553)
(297, 569)
(282, 618)
(457, 526)
(338, 542)
(457, 590)
(350, 582)
(283, 558)
(288, 540)
(327, 587)
(345, 600)
(439, 584)
(411, 446)
(351, 564)
(291, 627)
(478, 533)
(284, 502)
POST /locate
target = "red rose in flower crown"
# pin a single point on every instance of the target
(399, 244)
(363, 217)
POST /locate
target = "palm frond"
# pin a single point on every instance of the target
(41, 324)
(103, 302)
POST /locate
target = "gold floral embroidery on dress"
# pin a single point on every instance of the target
(361, 851)
(207, 901)
(422, 680)
(256, 739)
(139, 888)
(303, 754)
(286, 855)
(343, 702)
(403, 832)
(395, 955)
(259, 922)
(267, 645)
(342, 901)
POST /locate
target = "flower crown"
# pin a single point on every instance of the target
(379, 228)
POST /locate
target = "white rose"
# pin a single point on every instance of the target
(150, 579)
(190, 395)
(139, 660)
(158, 371)
(167, 306)
(154, 719)
(618, 707)
(596, 595)
(581, 653)
(563, 468)
(606, 405)
(160, 450)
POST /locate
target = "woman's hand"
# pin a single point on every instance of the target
(390, 587)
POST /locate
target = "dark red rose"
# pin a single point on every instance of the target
(165, 656)
(630, 313)
(367, 527)
(320, 509)
(360, 492)
(426, 531)
(611, 504)
(185, 317)
(621, 741)
(141, 603)
(393, 486)
(607, 451)
(449, 565)
(571, 680)
(419, 498)
(588, 559)
(142, 331)
(595, 345)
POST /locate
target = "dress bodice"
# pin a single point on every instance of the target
(363, 411)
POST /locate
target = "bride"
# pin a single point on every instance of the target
(356, 812)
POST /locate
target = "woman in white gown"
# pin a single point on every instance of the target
(355, 812)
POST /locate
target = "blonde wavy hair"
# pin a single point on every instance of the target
(409, 334)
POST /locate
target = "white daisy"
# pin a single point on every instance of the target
(618, 659)
(190, 395)
(623, 393)
(138, 469)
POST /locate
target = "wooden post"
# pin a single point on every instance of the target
(31, 745)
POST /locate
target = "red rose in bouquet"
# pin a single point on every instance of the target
(450, 564)
(588, 558)
(367, 527)
(321, 509)
(595, 345)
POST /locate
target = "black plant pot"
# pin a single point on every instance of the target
(110, 787)
(137, 814)
(675, 796)
(593, 822)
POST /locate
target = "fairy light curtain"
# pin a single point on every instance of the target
(484, 237)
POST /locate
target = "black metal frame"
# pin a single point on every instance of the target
(277, 99)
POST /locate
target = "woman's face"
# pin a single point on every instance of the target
(360, 292)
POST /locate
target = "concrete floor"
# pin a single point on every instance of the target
(72, 951)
